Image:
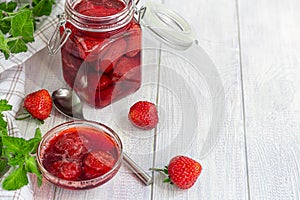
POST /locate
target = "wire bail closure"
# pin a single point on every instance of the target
(56, 41)
(168, 25)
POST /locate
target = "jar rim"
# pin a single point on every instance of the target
(100, 23)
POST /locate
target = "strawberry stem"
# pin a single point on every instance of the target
(163, 171)
(22, 116)
(167, 180)
(157, 169)
(39, 121)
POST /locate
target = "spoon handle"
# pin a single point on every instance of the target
(137, 170)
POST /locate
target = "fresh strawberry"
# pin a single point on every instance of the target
(182, 171)
(38, 104)
(143, 114)
(97, 163)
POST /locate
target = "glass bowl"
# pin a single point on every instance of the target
(79, 154)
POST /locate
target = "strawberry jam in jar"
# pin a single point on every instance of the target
(79, 155)
(100, 49)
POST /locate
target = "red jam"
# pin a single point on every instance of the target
(102, 67)
(80, 154)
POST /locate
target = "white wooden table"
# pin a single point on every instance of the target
(255, 46)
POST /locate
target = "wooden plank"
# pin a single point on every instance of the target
(270, 42)
(224, 168)
(42, 71)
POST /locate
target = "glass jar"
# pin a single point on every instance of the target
(100, 49)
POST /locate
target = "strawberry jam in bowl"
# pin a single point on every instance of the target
(80, 155)
(101, 51)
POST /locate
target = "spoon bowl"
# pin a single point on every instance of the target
(69, 104)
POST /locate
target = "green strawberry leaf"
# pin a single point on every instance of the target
(16, 180)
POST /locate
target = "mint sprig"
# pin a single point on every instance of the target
(18, 154)
(17, 24)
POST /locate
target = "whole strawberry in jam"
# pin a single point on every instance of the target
(127, 69)
(38, 104)
(143, 114)
(66, 170)
(71, 145)
(97, 163)
(182, 171)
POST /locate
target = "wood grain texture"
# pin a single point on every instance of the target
(270, 44)
(224, 169)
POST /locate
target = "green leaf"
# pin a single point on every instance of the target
(4, 106)
(16, 180)
(40, 180)
(31, 165)
(33, 143)
(4, 48)
(22, 25)
(5, 25)
(14, 159)
(17, 152)
(14, 145)
(17, 24)
(42, 7)
(3, 166)
(24, 6)
(38, 133)
(8, 6)
(3, 129)
(17, 46)
(1, 146)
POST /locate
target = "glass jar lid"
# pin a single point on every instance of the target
(167, 25)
